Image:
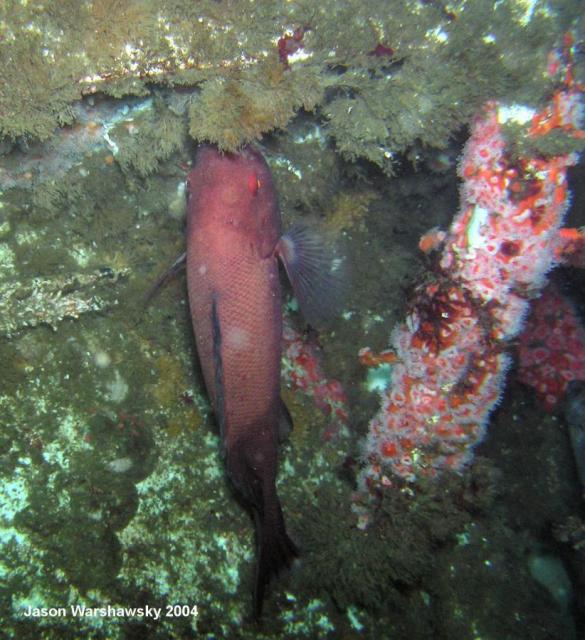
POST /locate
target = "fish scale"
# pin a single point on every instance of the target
(251, 326)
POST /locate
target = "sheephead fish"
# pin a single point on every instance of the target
(234, 243)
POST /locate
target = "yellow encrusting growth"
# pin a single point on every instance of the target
(235, 109)
(171, 390)
(349, 209)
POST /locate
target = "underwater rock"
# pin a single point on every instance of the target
(574, 409)
(51, 299)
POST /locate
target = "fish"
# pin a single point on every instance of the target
(574, 413)
(234, 245)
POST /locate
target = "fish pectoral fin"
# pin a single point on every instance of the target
(314, 272)
(285, 421)
(177, 266)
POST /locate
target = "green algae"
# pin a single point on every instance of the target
(444, 64)
(160, 134)
(236, 110)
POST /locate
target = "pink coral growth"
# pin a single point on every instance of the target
(451, 348)
(303, 371)
(291, 43)
(552, 348)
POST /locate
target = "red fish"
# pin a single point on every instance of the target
(234, 242)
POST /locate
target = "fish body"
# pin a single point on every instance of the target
(233, 244)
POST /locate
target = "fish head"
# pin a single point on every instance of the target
(234, 191)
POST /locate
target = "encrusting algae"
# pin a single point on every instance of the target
(383, 76)
(172, 391)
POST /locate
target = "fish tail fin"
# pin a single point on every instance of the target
(276, 551)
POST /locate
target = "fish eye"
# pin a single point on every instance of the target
(253, 184)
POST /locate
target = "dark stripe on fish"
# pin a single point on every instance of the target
(218, 368)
